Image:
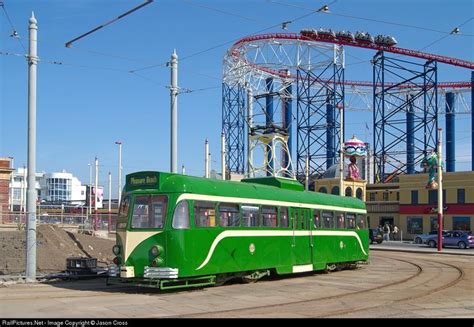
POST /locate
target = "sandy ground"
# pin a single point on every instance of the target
(54, 245)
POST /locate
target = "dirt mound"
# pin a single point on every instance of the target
(54, 245)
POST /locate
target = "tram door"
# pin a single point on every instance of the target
(302, 250)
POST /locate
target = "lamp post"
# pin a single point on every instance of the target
(440, 191)
(119, 143)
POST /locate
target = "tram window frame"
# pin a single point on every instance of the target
(236, 223)
(284, 223)
(181, 219)
(206, 205)
(363, 218)
(150, 216)
(250, 221)
(316, 218)
(273, 221)
(330, 219)
(348, 217)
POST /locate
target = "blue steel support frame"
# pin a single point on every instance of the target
(269, 123)
(233, 119)
(450, 132)
(402, 129)
(315, 92)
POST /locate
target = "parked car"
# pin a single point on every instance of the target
(424, 238)
(375, 235)
(459, 238)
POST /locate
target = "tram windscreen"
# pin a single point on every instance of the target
(149, 211)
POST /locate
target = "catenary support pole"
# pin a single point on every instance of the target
(31, 193)
(223, 155)
(119, 193)
(440, 190)
(206, 159)
(174, 113)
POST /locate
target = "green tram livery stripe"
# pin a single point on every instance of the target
(190, 196)
(264, 233)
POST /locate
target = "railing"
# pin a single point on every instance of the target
(94, 222)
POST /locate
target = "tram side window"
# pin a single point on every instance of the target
(361, 222)
(316, 219)
(269, 215)
(328, 219)
(350, 221)
(149, 211)
(204, 214)
(229, 215)
(340, 220)
(124, 206)
(250, 215)
(181, 215)
(284, 217)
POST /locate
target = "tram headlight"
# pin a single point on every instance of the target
(155, 251)
(116, 249)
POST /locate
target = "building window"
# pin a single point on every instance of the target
(335, 190)
(372, 196)
(433, 196)
(461, 223)
(359, 193)
(322, 190)
(385, 196)
(415, 225)
(461, 196)
(414, 197)
(434, 223)
(348, 191)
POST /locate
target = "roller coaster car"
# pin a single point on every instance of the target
(364, 37)
(327, 33)
(386, 40)
(345, 36)
(309, 32)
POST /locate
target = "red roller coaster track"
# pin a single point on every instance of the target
(366, 45)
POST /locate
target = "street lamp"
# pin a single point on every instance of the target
(119, 143)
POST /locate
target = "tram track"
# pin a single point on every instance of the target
(410, 279)
(265, 310)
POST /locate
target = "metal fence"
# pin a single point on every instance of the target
(94, 222)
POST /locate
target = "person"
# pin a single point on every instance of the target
(395, 232)
(386, 232)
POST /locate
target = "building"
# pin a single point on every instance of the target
(5, 178)
(413, 208)
(53, 188)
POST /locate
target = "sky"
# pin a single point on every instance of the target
(91, 99)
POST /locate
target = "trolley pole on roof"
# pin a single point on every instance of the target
(440, 191)
(119, 196)
(31, 193)
(174, 113)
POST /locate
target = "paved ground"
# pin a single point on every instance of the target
(421, 248)
(394, 284)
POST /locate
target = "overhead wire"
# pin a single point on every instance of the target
(222, 44)
(14, 31)
(369, 19)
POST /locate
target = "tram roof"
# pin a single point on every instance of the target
(265, 188)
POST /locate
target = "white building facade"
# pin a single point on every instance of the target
(58, 187)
